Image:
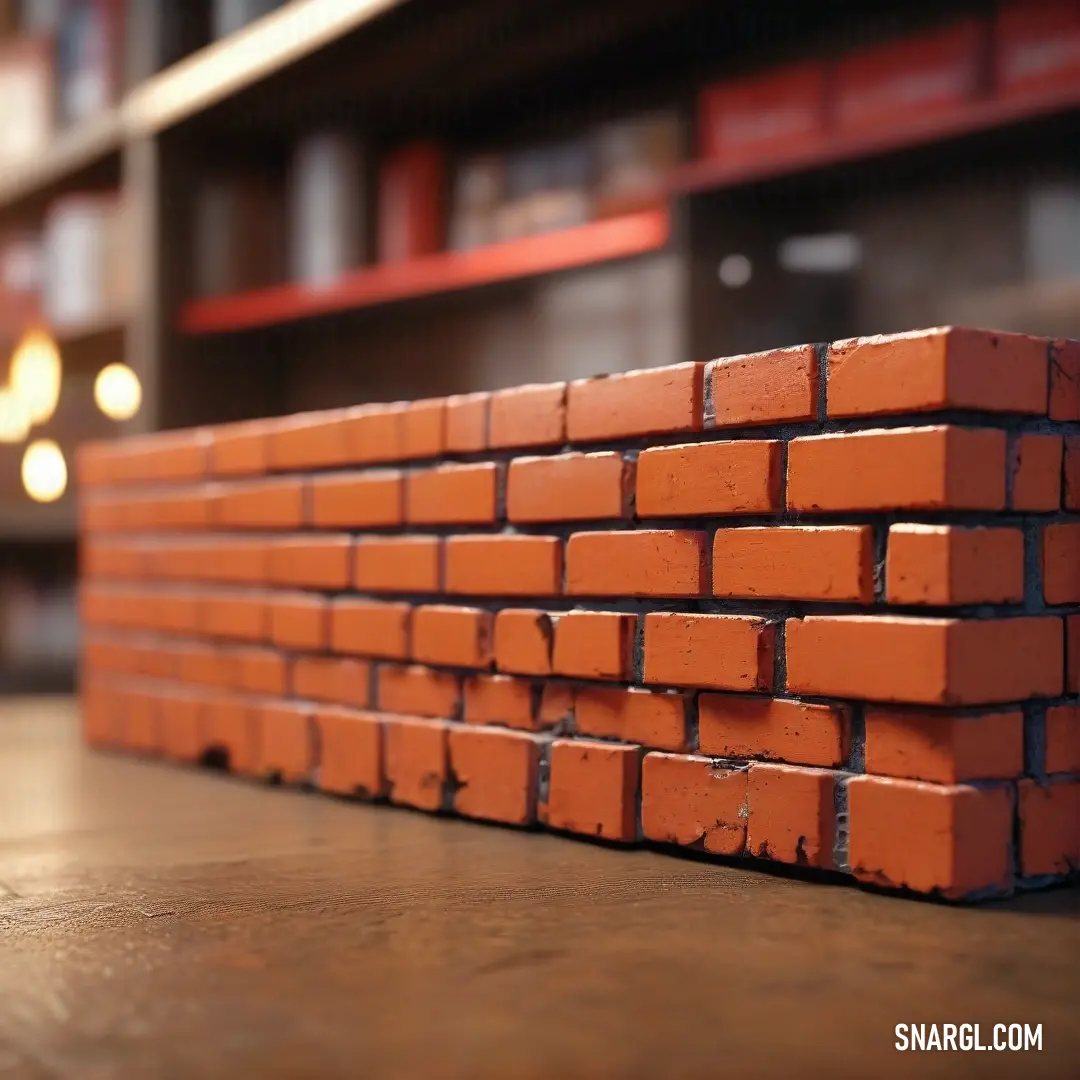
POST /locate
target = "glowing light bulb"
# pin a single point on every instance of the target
(118, 392)
(44, 471)
(35, 375)
(14, 417)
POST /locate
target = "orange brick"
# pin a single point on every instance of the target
(931, 838)
(1072, 656)
(309, 440)
(186, 508)
(1065, 380)
(352, 753)
(744, 726)
(791, 815)
(933, 370)
(504, 565)
(181, 727)
(944, 749)
(369, 628)
(1063, 739)
(568, 487)
(594, 645)
(467, 422)
(455, 636)
(500, 699)
(230, 728)
(177, 455)
(285, 743)
(93, 464)
(1061, 563)
(947, 564)
(932, 468)
(651, 719)
(241, 616)
(795, 562)
(417, 761)
(523, 641)
(260, 671)
(453, 495)
(924, 661)
(375, 434)
(236, 562)
(1049, 827)
(418, 691)
(399, 564)
(1071, 496)
(141, 730)
(713, 478)
(1036, 472)
(532, 415)
(314, 562)
(204, 666)
(763, 388)
(300, 621)
(330, 679)
(556, 706)
(656, 562)
(495, 773)
(358, 500)
(423, 429)
(593, 789)
(182, 613)
(720, 652)
(240, 449)
(659, 400)
(691, 802)
(263, 504)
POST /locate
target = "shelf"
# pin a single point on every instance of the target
(980, 116)
(585, 245)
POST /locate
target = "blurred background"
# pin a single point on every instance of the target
(220, 209)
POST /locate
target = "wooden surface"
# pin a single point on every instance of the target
(159, 922)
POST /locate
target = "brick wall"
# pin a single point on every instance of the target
(819, 606)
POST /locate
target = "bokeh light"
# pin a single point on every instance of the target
(118, 392)
(44, 471)
(35, 375)
(14, 417)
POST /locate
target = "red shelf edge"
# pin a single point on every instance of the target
(585, 245)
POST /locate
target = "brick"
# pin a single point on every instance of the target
(236, 562)
(777, 386)
(240, 616)
(523, 641)
(647, 562)
(300, 621)
(141, 732)
(1061, 563)
(569, 487)
(646, 717)
(398, 564)
(467, 423)
(263, 504)
(182, 613)
(204, 666)
(230, 727)
(931, 468)
(454, 636)
(944, 749)
(352, 753)
(946, 564)
(370, 628)
(181, 728)
(952, 840)
(593, 789)
(924, 661)
(934, 370)
(331, 679)
(285, 747)
(311, 440)
(189, 508)
(500, 699)
(417, 691)
(744, 726)
(504, 565)
(260, 671)
(375, 434)
(1065, 380)
(173, 456)
(791, 815)
(1071, 494)
(453, 495)
(370, 500)
(691, 802)
(1072, 655)
(423, 429)
(93, 464)
(713, 478)
(241, 449)
(1063, 739)
(556, 706)
(495, 774)
(594, 645)
(719, 652)
(533, 415)
(1036, 472)
(313, 562)
(417, 761)
(795, 562)
(655, 401)
(1049, 827)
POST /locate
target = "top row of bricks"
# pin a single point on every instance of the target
(944, 369)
